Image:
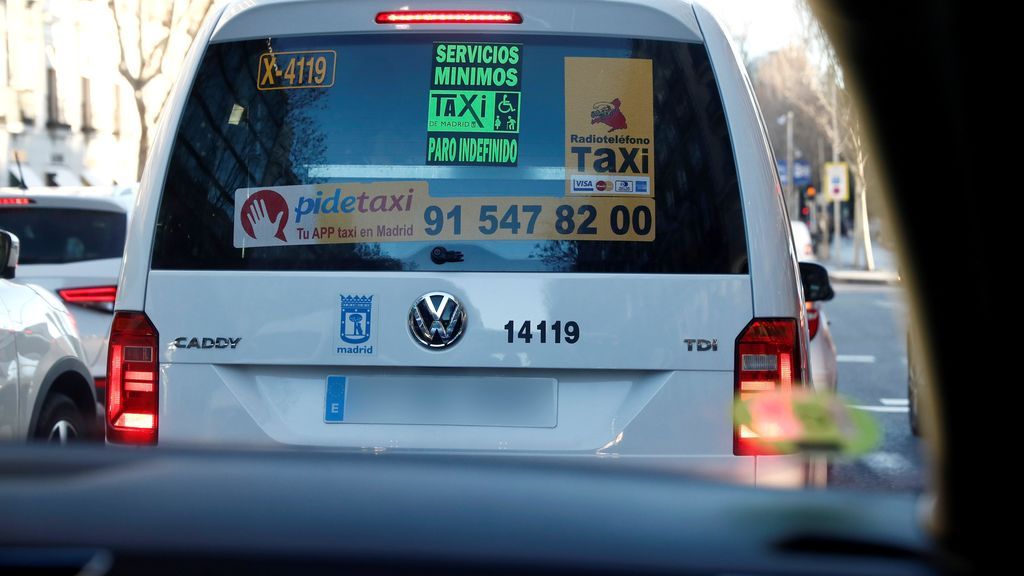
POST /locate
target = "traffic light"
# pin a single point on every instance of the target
(811, 191)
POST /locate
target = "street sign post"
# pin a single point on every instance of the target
(837, 181)
(801, 172)
(837, 189)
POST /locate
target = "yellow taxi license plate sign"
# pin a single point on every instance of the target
(292, 70)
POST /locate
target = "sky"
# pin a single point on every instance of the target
(770, 24)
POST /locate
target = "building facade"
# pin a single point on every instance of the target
(67, 117)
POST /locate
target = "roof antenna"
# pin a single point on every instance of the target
(21, 174)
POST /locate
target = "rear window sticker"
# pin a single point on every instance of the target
(609, 127)
(405, 212)
(327, 214)
(292, 70)
(473, 108)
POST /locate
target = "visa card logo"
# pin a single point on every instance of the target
(621, 186)
(583, 184)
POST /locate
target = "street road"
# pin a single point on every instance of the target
(868, 324)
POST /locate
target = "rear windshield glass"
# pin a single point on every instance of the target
(60, 236)
(460, 152)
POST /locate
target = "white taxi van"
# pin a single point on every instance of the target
(532, 227)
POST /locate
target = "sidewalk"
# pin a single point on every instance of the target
(843, 270)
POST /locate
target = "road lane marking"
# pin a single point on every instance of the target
(858, 358)
(886, 461)
(903, 409)
(895, 401)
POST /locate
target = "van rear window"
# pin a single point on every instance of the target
(453, 152)
(65, 235)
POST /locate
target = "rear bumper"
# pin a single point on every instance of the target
(678, 422)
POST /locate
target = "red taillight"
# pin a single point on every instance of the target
(93, 295)
(16, 201)
(101, 389)
(767, 361)
(132, 380)
(449, 17)
(812, 320)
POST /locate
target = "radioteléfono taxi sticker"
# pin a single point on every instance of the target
(609, 127)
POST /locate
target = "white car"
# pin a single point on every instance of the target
(46, 391)
(802, 240)
(443, 230)
(822, 348)
(72, 241)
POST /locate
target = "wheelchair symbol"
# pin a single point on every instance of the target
(505, 107)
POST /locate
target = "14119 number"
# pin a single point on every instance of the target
(569, 332)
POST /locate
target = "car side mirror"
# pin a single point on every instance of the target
(9, 249)
(816, 284)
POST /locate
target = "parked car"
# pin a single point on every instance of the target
(802, 240)
(46, 391)
(364, 229)
(72, 241)
(822, 347)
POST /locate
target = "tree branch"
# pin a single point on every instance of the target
(142, 57)
(160, 48)
(122, 67)
(193, 28)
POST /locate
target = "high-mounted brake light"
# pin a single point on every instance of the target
(767, 361)
(16, 201)
(93, 295)
(132, 380)
(449, 17)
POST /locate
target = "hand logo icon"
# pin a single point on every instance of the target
(264, 216)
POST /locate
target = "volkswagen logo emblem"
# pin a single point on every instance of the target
(437, 320)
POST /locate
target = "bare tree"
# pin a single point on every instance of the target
(851, 137)
(149, 34)
(784, 82)
(794, 76)
(741, 39)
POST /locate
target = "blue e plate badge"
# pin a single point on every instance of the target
(334, 411)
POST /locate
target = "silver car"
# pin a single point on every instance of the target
(46, 391)
(822, 349)
(72, 241)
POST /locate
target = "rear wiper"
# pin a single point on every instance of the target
(441, 255)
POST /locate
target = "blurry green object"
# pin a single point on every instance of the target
(807, 421)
